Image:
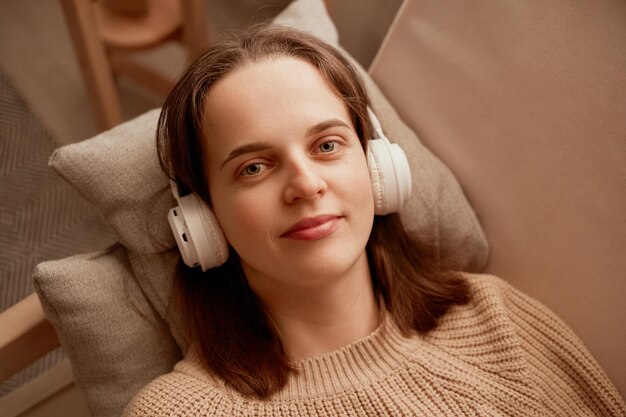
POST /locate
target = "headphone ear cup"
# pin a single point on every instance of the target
(181, 234)
(390, 174)
(198, 234)
(378, 185)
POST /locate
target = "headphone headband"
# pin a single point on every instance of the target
(378, 129)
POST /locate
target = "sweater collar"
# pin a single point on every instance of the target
(357, 364)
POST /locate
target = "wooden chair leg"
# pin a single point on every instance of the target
(94, 61)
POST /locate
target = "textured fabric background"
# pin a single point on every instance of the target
(41, 216)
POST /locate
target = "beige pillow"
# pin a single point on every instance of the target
(109, 308)
(114, 338)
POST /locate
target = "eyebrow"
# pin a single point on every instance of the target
(242, 150)
(261, 146)
(327, 124)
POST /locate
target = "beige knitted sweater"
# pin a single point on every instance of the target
(502, 354)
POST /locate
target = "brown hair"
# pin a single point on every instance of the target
(226, 320)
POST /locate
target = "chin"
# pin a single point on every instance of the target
(328, 265)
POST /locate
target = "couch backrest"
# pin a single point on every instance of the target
(526, 103)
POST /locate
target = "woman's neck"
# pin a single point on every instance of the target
(314, 320)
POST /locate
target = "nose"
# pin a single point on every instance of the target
(303, 181)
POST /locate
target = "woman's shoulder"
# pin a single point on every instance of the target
(487, 285)
(483, 332)
(499, 315)
(494, 297)
(507, 333)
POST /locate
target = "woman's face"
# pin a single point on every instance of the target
(288, 178)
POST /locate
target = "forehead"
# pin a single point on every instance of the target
(267, 99)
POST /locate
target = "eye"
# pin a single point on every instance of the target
(253, 169)
(328, 146)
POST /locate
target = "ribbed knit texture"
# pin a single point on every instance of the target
(502, 354)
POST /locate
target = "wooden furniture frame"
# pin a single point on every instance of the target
(106, 32)
(25, 336)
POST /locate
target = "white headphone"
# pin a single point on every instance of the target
(200, 238)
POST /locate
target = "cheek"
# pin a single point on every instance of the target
(364, 201)
(241, 217)
(360, 186)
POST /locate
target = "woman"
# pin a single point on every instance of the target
(323, 308)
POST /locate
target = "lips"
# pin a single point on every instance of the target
(313, 228)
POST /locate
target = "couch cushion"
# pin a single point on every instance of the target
(113, 336)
